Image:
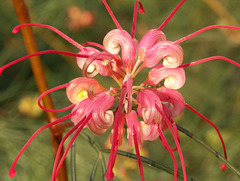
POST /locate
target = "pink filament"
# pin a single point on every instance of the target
(93, 44)
(112, 15)
(129, 93)
(52, 90)
(101, 56)
(212, 124)
(176, 132)
(12, 170)
(110, 175)
(80, 126)
(17, 29)
(171, 15)
(41, 53)
(166, 145)
(209, 59)
(205, 29)
(138, 153)
(177, 135)
(60, 148)
(141, 10)
(167, 121)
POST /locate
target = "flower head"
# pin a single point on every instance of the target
(122, 57)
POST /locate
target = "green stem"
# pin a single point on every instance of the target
(214, 152)
(73, 162)
(149, 162)
(97, 149)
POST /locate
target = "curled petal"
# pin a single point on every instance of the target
(132, 127)
(151, 38)
(146, 108)
(149, 131)
(80, 110)
(174, 77)
(116, 38)
(120, 130)
(102, 117)
(172, 55)
(99, 62)
(175, 100)
(94, 128)
(128, 100)
(86, 51)
(77, 90)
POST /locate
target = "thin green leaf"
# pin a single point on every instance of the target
(94, 170)
(73, 162)
(99, 152)
(214, 152)
(149, 162)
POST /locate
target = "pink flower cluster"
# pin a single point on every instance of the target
(147, 109)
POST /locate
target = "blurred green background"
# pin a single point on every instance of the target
(212, 88)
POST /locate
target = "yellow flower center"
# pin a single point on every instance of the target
(82, 94)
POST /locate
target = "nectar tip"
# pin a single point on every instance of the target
(15, 30)
(109, 175)
(223, 167)
(12, 173)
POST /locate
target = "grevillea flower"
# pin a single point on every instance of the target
(122, 57)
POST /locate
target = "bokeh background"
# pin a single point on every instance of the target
(212, 88)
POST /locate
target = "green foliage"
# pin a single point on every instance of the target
(212, 88)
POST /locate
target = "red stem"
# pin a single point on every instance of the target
(37, 59)
(110, 175)
(17, 29)
(167, 146)
(52, 90)
(209, 59)
(141, 10)
(171, 15)
(138, 154)
(212, 124)
(112, 15)
(205, 29)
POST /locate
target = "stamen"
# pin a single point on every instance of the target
(41, 53)
(205, 29)
(52, 90)
(90, 93)
(138, 153)
(176, 133)
(93, 44)
(141, 11)
(129, 94)
(213, 125)
(112, 15)
(167, 121)
(166, 145)
(209, 59)
(17, 29)
(109, 175)
(60, 148)
(12, 170)
(171, 15)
